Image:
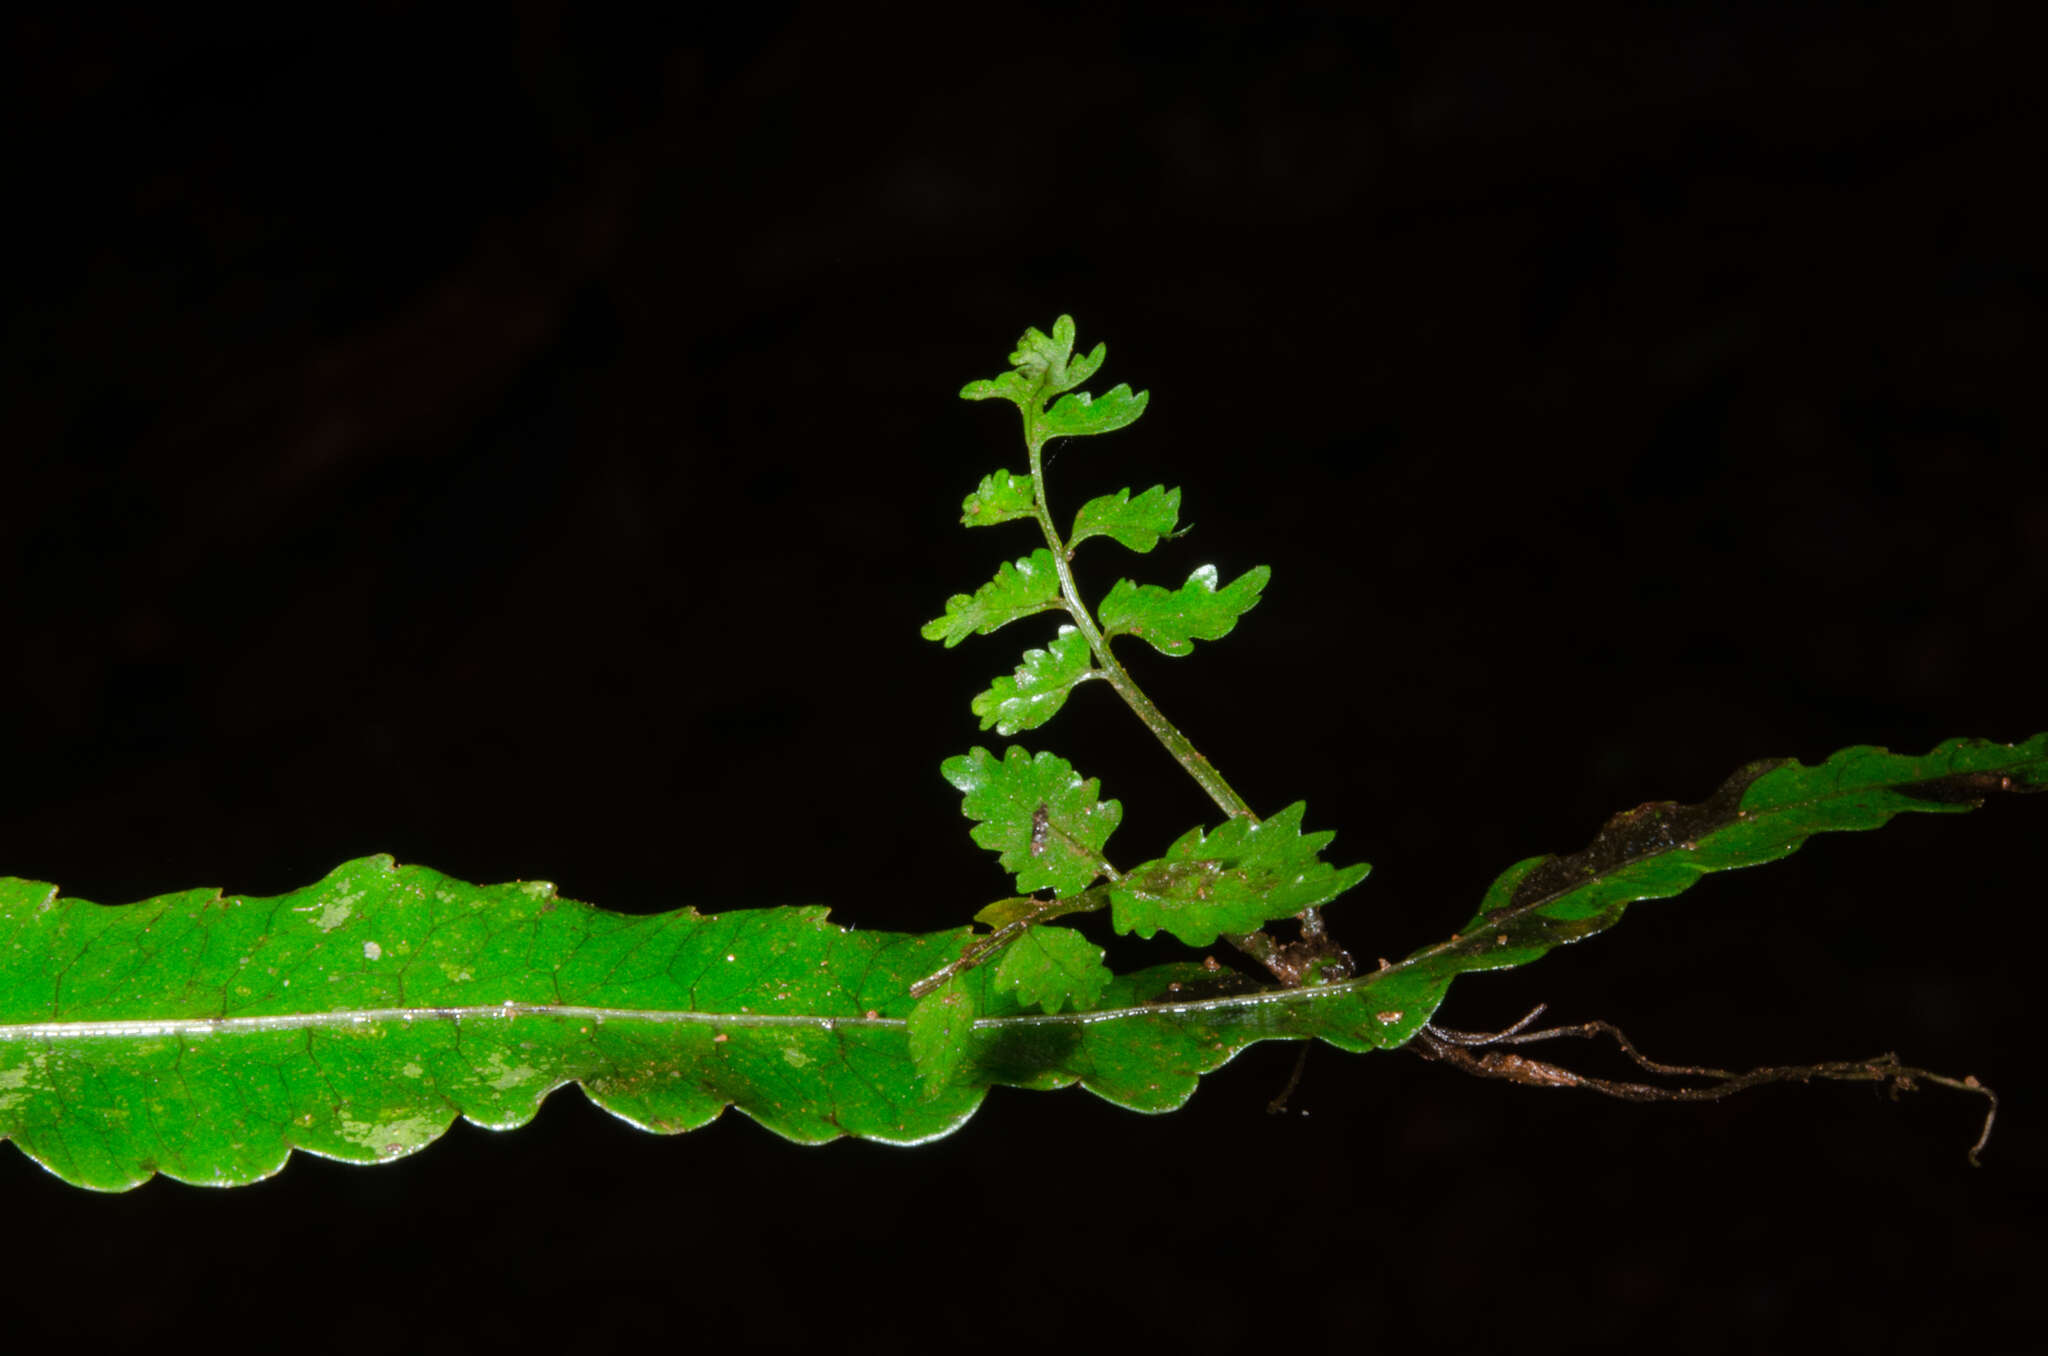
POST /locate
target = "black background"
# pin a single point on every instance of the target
(529, 446)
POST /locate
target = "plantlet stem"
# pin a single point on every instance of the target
(1281, 961)
(1183, 750)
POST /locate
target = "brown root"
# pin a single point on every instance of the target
(1480, 1054)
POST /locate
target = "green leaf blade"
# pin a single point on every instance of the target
(1153, 1034)
(1081, 415)
(1042, 359)
(1009, 386)
(1045, 822)
(1001, 497)
(941, 1030)
(208, 1037)
(1039, 688)
(1137, 524)
(1762, 813)
(1052, 968)
(1171, 621)
(803, 1025)
(1234, 879)
(1043, 365)
(1020, 589)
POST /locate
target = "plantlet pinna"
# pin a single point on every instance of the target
(206, 1036)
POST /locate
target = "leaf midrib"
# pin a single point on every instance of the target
(147, 1028)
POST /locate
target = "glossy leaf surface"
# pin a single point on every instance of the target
(1172, 620)
(208, 1036)
(941, 1030)
(1043, 819)
(1001, 497)
(1052, 968)
(1019, 589)
(1236, 878)
(1040, 687)
(1760, 814)
(1136, 523)
(1041, 367)
(1080, 414)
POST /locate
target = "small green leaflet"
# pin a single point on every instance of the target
(1171, 622)
(1042, 367)
(1137, 523)
(1000, 497)
(1018, 590)
(1010, 919)
(1235, 879)
(1078, 415)
(1040, 687)
(1038, 813)
(938, 1028)
(1053, 967)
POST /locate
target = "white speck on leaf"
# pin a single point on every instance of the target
(508, 1075)
(334, 912)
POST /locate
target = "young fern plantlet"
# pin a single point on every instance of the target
(1047, 822)
(209, 1036)
(1050, 827)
